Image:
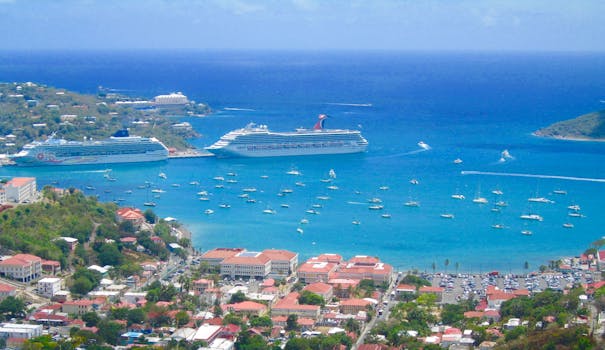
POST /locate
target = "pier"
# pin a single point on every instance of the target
(191, 153)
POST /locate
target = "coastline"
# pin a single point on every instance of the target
(568, 138)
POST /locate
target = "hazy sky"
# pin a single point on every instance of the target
(575, 25)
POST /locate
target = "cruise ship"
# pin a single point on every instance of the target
(258, 141)
(119, 148)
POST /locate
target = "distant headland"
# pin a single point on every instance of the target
(587, 127)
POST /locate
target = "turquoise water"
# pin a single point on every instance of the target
(467, 106)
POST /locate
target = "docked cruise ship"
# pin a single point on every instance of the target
(119, 148)
(258, 141)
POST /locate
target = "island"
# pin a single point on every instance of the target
(588, 127)
(32, 111)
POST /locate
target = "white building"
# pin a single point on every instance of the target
(22, 267)
(21, 190)
(49, 286)
(171, 99)
(246, 265)
(23, 331)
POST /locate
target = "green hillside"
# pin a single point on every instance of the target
(589, 126)
(30, 111)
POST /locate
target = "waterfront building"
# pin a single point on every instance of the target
(246, 265)
(21, 267)
(21, 190)
(315, 270)
(49, 286)
(366, 268)
(283, 262)
(215, 256)
(172, 99)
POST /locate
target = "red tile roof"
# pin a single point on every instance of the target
(130, 213)
(5, 288)
(279, 255)
(20, 181)
(430, 289)
(222, 253)
(355, 302)
(364, 260)
(259, 259)
(244, 306)
(21, 260)
(318, 288)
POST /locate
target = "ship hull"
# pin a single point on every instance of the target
(259, 151)
(49, 160)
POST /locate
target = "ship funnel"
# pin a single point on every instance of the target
(320, 123)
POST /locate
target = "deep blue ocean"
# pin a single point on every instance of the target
(470, 106)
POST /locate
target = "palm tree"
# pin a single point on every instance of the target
(457, 264)
(446, 263)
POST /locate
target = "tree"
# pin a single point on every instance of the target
(110, 255)
(110, 331)
(13, 307)
(261, 321)
(446, 263)
(136, 316)
(181, 318)
(297, 344)
(81, 286)
(237, 297)
(150, 216)
(91, 318)
(292, 323)
(310, 298)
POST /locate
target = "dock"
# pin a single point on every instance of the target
(189, 154)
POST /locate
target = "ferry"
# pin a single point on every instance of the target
(119, 148)
(258, 141)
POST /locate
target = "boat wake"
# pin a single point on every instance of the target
(238, 109)
(538, 176)
(349, 104)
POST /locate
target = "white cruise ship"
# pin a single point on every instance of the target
(119, 148)
(258, 141)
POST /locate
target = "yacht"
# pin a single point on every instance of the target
(540, 200)
(480, 200)
(208, 211)
(412, 204)
(458, 196)
(526, 232)
(568, 225)
(447, 216)
(534, 217)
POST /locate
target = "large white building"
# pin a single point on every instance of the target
(21, 190)
(171, 99)
(246, 265)
(49, 286)
(23, 331)
(22, 267)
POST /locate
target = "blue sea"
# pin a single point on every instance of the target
(471, 106)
